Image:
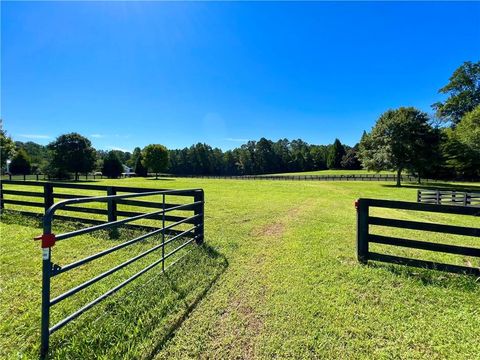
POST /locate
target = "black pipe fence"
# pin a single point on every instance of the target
(364, 237)
(167, 232)
(448, 197)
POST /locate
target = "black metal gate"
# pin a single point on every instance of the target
(167, 232)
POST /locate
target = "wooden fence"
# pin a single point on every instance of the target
(18, 196)
(45, 177)
(364, 237)
(450, 197)
(332, 177)
(352, 177)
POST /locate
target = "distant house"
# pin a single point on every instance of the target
(127, 171)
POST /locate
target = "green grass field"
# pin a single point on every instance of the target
(276, 278)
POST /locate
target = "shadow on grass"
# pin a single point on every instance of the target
(160, 179)
(189, 307)
(139, 322)
(438, 186)
(429, 277)
(22, 218)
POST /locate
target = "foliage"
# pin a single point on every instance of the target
(462, 145)
(7, 147)
(254, 157)
(112, 166)
(336, 154)
(37, 153)
(468, 131)
(139, 169)
(350, 159)
(20, 164)
(464, 93)
(132, 162)
(155, 158)
(319, 154)
(72, 153)
(400, 140)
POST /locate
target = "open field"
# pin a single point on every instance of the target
(277, 277)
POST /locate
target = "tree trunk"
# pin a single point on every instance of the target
(76, 176)
(399, 175)
(156, 176)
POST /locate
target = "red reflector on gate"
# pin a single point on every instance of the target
(356, 204)
(48, 240)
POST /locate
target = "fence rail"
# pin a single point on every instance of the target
(45, 177)
(48, 240)
(26, 201)
(351, 177)
(448, 197)
(364, 237)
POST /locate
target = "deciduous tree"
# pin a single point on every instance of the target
(112, 166)
(7, 146)
(350, 159)
(398, 141)
(72, 153)
(463, 92)
(20, 164)
(462, 145)
(155, 158)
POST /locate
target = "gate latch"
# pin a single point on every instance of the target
(48, 240)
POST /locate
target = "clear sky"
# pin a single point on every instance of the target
(127, 74)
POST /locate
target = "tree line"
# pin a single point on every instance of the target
(445, 145)
(72, 154)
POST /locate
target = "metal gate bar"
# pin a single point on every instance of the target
(48, 239)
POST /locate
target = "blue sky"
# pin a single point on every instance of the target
(127, 74)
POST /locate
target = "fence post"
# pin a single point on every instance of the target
(199, 209)
(1, 197)
(468, 199)
(113, 233)
(419, 196)
(112, 205)
(362, 231)
(47, 195)
(438, 197)
(45, 322)
(37, 176)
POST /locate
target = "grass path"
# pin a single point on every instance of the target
(289, 287)
(303, 295)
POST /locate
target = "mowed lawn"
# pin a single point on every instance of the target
(277, 278)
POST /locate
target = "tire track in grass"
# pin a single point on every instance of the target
(248, 309)
(237, 318)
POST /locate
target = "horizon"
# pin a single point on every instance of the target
(223, 73)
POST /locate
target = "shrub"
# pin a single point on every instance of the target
(112, 167)
(20, 164)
